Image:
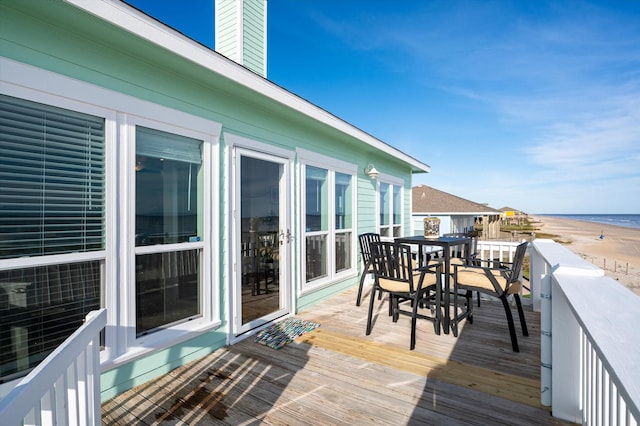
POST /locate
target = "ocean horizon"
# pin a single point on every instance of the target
(624, 220)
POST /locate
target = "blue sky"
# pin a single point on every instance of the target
(529, 104)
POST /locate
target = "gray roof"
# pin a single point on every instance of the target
(510, 209)
(426, 199)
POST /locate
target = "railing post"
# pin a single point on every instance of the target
(537, 268)
(546, 390)
(566, 355)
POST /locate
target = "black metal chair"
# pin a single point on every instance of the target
(500, 282)
(396, 274)
(460, 258)
(365, 251)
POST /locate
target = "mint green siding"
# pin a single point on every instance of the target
(57, 37)
(255, 49)
(227, 28)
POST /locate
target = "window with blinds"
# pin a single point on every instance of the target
(52, 199)
(51, 180)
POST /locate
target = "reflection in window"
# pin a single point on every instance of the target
(328, 194)
(343, 206)
(52, 203)
(397, 211)
(317, 213)
(390, 204)
(168, 211)
(316, 196)
(40, 307)
(167, 182)
(167, 288)
(384, 209)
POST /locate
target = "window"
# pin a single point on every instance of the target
(52, 202)
(344, 218)
(317, 222)
(390, 205)
(328, 197)
(169, 218)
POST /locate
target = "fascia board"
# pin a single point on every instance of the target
(129, 19)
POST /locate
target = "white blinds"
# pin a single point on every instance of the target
(51, 180)
(158, 144)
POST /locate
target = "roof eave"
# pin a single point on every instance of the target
(129, 19)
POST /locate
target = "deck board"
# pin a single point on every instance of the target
(337, 375)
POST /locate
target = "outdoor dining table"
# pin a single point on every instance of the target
(447, 243)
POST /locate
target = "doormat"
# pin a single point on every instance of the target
(279, 334)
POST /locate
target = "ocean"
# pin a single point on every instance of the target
(626, 220)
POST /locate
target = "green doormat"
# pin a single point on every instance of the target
(279, 334)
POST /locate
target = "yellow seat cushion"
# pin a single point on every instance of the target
(477, 278)
(403, 286)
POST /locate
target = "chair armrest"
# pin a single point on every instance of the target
(433, 266)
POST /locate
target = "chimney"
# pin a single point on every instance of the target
(241, 32)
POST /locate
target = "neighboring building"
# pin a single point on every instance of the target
(511, 216)
(456, 214)
(194, 199)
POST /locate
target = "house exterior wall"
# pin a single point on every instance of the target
(52, 52)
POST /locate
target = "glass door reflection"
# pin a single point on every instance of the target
(260, 240)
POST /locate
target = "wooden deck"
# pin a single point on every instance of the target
(337, 375)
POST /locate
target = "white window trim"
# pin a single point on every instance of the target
(158, 338)
(120, 111)
(313, 159)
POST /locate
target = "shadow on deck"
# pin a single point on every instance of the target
(337, 375)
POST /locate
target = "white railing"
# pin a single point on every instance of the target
(64, 389)
(502, 251)
(590, 339)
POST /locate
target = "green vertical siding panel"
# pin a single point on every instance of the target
(254, 55)
(227, 21)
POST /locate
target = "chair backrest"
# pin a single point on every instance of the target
(365, 245)
(518, 261)
(393, 261)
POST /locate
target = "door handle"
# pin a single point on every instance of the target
(286, 235)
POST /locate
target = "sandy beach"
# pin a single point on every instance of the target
(618, 252)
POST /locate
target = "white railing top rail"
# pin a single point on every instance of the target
(606, 311)
(26, 396)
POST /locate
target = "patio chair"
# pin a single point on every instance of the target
(459, 258)
(499, 282)
(396, 274)
(365, 251)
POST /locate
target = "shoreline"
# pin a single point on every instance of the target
(617, 253)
